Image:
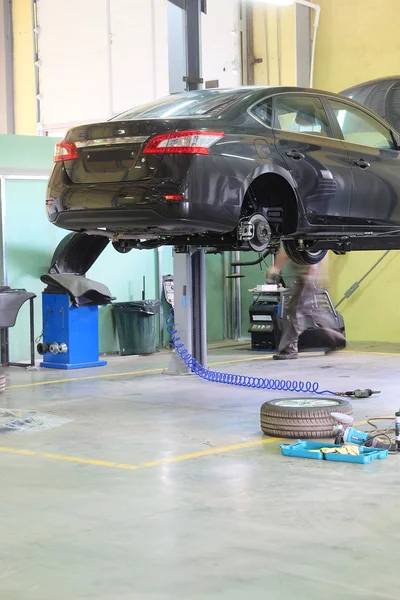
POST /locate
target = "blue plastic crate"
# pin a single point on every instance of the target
(302, 449)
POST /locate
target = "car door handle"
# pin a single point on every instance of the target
(295, 155)
(363, 164)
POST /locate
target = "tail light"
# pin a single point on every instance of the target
(183, 142)
(65, 151)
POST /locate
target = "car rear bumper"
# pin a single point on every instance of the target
(170, 219)
(142, 207)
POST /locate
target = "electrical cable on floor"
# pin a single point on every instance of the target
(388, 433)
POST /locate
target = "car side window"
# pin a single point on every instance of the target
(301, 114)
(359, 127)
(263, 111)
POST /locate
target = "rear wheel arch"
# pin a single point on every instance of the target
(275, 190)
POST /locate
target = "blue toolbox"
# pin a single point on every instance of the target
(313, 450)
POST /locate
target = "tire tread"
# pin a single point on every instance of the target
(307, 422)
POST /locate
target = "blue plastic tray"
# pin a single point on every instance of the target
(301, 449)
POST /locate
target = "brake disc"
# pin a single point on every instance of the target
(261, 233)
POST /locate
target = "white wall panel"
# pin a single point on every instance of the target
(73, 53)
(100, 57)
(161, 48)
(221, 42)
(139, 52)
(176, 48)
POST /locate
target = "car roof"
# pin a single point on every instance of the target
(273, 89)
(393, 79)
(382, 96)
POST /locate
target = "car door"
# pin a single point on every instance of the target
(317, 161)
(375, 163)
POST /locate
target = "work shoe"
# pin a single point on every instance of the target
(285, 356)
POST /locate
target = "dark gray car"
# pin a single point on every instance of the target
(380, 95)
(239, 169)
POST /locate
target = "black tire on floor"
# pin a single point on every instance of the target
(306, 418)
(2, 381)
(302, 257)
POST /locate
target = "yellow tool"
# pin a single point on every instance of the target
(350, 449)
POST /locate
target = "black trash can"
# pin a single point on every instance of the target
(136, 326)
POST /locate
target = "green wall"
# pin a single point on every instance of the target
(25, 153)
(31, 241)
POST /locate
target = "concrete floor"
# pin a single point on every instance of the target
(213, 512)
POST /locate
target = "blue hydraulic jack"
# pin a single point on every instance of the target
(71, 322)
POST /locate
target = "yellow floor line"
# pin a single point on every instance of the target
(372, 352)
(160, 370)
(155, 463)
(67, 379)
(110, 375)
(240, 360)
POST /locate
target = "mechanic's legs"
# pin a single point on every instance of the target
(322, 318)
(293, 324)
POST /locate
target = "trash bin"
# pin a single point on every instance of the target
(136, 326)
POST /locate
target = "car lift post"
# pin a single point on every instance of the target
(190, 315)
(190, 262)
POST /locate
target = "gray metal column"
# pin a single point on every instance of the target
(225, 294)
(303, 45)
(159, 278)
(193, 44)
(190, 266)
(237, 302)
(6, 69)
(176, 47)
(190, 308)
(183, 310)
(199, 295)
(198, 260)
(3, 257)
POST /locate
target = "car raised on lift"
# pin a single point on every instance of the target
(240, 169)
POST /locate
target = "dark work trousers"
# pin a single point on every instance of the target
(302, 307)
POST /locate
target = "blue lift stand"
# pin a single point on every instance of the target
(70, 311)
(73, 331)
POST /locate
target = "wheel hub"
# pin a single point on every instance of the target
(256, 232)
(307, 402)
(262, 233)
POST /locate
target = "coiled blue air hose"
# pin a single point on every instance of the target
(260, 383)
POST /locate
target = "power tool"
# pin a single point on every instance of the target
(345, 433)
